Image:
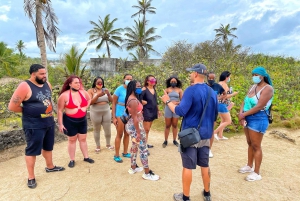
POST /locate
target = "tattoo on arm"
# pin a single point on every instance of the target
(16, 100)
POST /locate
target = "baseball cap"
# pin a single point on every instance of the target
(199, 68)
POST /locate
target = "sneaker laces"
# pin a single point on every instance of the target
(151, 172)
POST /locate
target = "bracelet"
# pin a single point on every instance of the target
(167, 102)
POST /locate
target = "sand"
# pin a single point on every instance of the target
(108, 180)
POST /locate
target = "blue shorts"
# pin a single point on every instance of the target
(222, 108)
(38, 139)
(192, 157)
(257, 122)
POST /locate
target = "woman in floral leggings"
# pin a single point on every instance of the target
(135, 129)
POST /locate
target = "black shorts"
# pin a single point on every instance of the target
(74, 125)
(38, 139)
(195, 156)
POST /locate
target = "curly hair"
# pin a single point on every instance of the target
(66, 85)
(168, 82)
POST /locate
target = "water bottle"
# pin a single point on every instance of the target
(230, 90)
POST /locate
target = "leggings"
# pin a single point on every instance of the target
(141, 146)
(101, 115)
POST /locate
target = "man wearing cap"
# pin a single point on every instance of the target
(191, 108)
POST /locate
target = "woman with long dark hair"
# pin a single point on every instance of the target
(253, 116)
(222, 106)
(149, 101)
(175, 93)
(100, 112)
(136, 130)
(118, 108)
(73, 102)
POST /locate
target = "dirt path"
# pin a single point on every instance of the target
(107, 180)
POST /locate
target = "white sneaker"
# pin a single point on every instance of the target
(216, 137)
(246, 169)
(210, 154)
(137, 169)
(253, 176)
(150, 176)
(224, 138)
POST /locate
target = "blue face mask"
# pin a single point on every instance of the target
(228, 80)
(256, 79)
(126, 82)
(138, 91)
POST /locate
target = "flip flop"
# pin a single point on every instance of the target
(111, 148)
(97, 151)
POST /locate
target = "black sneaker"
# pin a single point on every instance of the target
(31, 183)
(165, 144)
(175, 143)
(55, 169)
(206, 197)
(89, 160)
(150, 146)
(71, 164)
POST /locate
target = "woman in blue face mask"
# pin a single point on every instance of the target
(118, 108)
(254, 117)
(175, 93)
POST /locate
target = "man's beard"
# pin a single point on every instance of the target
(40, 81)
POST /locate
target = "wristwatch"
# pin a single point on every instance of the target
(167, 102)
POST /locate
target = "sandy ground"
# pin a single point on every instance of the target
(108, 180)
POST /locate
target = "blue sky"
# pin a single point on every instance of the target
(270, 26)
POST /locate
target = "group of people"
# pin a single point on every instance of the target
(33, 99)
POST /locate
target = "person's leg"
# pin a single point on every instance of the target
(125, 141)
(30, 162)
(106, 123)
(147, 126)
(120, 129)
(256, 139)
(186, 181)
(83, 144)
(72, 146)
(250, 149)
(48, 158)
(174, 128)
(96, 119)
(168, 123)
(225, 121)
(205, 172)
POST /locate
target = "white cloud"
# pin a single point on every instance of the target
(4, 9)
(3, 18)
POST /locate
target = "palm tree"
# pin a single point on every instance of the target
(137, 39)
(20, 46)
(105, 32)
(44, 20)
(144, 6)
(7, 59)
(72, 62)
(224, 32)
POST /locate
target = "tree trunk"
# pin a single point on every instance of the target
(40, 34)
(107, 47)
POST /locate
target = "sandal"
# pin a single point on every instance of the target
(97, 150)
(118, 159)
(111, 148)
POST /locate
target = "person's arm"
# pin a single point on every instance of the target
(110, 99)
(87, 97)
(265, 96)
(142, 96)
(60, 108)
(18, 97)
(231, 95)
(113, 109)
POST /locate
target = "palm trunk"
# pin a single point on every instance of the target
(144, 20)
(40, 33)
(107, 47)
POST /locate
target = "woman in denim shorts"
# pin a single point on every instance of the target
(254, 117)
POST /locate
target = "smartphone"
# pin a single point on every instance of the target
(103, 89)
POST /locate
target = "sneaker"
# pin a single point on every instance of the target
(210, 154)
(206, 197)
(178, 197)
(216, 137)
(137, 169)
(55, 169)
(246, 169)
(126, 155)
(118, 159)
(150, 176)
(223, 138)
(150, 146)
(165, 144)
(253, 176)
(89, 160)
(71, 164)
(31, 183)
(175, 143)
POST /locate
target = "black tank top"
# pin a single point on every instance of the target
(37, 110)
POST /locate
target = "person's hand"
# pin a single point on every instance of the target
(175, 102)
(235, 93)
(241, 116)
(144, 102)
(115, 121)
(61, 128)
(165, 97)
(138, 137)
(243, 122)
(105, 91)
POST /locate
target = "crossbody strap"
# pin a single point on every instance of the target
(206, 104)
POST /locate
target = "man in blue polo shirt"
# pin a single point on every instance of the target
(191, 108)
